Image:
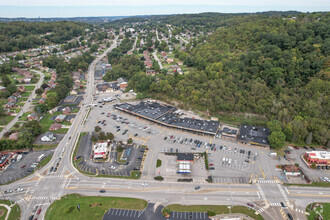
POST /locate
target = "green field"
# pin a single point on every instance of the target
(15, 212)
(3, 212)
(215, 209)
(325, 211)
(29, 88)
(24, 116)
(6, 119)
(25, 94)
(91, 207)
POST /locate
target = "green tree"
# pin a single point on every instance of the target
(11, 88)
(39, 91)
(276, 139)
(52, 100)
(274, 125)
(5, 80)
(97, 129)
(42, 108)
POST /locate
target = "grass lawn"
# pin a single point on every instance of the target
(22, 99)
(1, 128)
(91, 207)
(15, 212)
(217, 209)
(29, 88)
(45, 161)
(3, 212)
(62, 130)
(4, 120)
(325, 211)
(24, 116)
(25, 94)
(44, 146)
(45, 123)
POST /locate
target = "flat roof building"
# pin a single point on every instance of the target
(185, 157)
(168, 116)
(318, 157)
(253, 135)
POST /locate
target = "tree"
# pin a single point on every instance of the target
(34, 126)
(276, 139)
(44, 86)
(309, 138)
(97, 128)
(5, 80)
(11, 88)
(39, 91)
(129, 141)
(41, 108)
(274, 125)
(52, 100)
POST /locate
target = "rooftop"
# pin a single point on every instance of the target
(319, 154)
(254, 134)
(185, 157)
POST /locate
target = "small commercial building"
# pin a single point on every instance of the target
(184, 161)
(318, 157)
(100, 150)
(252, 135)
(291, 170)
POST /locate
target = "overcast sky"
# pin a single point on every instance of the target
(72, 8)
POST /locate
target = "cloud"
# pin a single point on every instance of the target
(296, 3)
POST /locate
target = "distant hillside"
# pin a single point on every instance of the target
(76, 19)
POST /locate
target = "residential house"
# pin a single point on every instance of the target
(55, 126)
(66, 110)
(42, 101)
(180, 63)
(33, 116)
(10, 105)
(60, 118)
(70, 98)
(21, 89)
(12, 99)
(13, 136)
(122, 83)
(150, 72)
(163, 53)
(2, 88)
(48, 136)
(17, 94)
(44, 95)
(169, 60)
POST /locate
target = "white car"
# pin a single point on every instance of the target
(112, 167)
(144, 184)
(19, 190)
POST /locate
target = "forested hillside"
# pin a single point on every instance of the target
(274, 66)
(15, 36)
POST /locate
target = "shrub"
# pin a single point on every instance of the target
(160, 178)
(159, 163)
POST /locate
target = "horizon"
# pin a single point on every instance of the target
(141, 10)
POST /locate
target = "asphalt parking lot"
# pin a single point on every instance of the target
(237, 167)
(18, 170)
(111, 167)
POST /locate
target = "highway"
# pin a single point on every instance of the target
(42, 188)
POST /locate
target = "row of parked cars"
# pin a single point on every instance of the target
(16, 190)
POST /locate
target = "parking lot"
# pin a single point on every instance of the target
(110, 167)
(229, 161)
(19, 169)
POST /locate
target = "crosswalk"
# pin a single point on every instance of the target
(267, 181)
(275, 204)
(55, 176)
(283, 194)
(20, 201)
(226, 180)
(45, 198)
(300, 211)
(261, 210)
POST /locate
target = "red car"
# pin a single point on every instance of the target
(295, 147)
(324, 148)
(215, 149)
(250, 204)
(211, 164)
(23, 166)
(39, 210)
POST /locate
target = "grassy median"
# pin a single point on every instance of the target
(214, 210)
(323, 210)
(91, 207)
(15, 212)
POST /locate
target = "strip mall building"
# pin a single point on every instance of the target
(318, 157)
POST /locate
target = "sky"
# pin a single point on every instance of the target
(85, 8)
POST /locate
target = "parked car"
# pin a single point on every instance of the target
(197, 187)
(102, 191)
(290, 216)
(39, 211)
